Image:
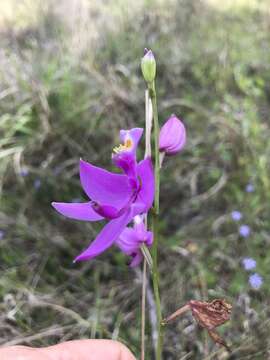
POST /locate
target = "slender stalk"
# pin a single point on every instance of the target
(144, 279)
(153, 97)
(177, 313)
(155, 279)
(146, 253)
(147, 256)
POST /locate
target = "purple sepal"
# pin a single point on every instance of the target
(77, 211)
(110, 233)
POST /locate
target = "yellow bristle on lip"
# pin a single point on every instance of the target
(122, 147)
(128, 143)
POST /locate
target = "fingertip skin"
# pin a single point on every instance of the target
(126, 354)
(70, 350)
(91, 350)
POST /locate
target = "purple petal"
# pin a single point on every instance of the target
(78, 211)
(172, 137)
(107, 211)
(131, 239)
(124, 155)
(138, 224)
(103, 186)
(142, 233)
(127, 162)
(133, 136)
(109, 234)
(146, 176)
(128, 241)
(149, 238)
(136, 260)
(148, 54)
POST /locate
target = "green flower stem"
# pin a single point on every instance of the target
(144, 279)
(147, 256)
(153, 97)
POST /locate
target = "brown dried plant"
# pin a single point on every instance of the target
(208, 315)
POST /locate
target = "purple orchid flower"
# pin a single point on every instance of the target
(131, 240)
(172, 137)
(115, 197)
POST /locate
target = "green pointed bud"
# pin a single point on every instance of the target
(148, 65)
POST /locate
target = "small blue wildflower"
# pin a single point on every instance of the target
(249, 263)
(244, 231)
(24, 172)
(37, 183)
(2, 234)
(57, 170)
(249, 188)
(255, 280)
(236, 215)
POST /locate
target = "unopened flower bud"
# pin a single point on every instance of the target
(172, 137)
(148, 65)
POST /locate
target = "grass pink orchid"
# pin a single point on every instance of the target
(115, 197)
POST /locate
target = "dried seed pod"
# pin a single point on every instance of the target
(211, 314)
(208, 315)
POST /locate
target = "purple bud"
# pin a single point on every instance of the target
(255, 281)
(148, 65)
(145, 51)
(172, 137)
(244, 230)
(236, 215)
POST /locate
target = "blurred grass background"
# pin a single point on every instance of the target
(70, 79)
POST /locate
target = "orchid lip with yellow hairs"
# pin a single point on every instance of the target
(115, 197)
